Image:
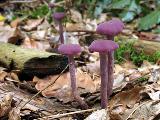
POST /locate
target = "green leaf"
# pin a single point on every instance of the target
(133, 10)
(150, 20)
(101, 5)
(119, 4)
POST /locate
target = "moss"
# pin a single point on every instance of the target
(126, 51)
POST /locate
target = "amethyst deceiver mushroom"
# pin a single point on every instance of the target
(110, 29)
(58, 16)
(104, 47)
(70, 50)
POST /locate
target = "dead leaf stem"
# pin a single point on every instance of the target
(66, 114)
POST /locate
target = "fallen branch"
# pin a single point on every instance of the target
(29, 61)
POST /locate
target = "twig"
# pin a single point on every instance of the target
(87, 31)
(45, 87)
(22, 1)
(66, 114)
(135, 110)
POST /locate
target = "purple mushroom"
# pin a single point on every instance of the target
(58, 16)
(110, 29)
(70, 50)
(104, 47)
(51, 5)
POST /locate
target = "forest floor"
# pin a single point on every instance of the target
(28, 96)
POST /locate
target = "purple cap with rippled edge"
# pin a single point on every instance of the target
(111, 28)
(69, 49)
(103, 46)
(58, 15)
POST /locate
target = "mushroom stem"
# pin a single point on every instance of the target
(61, 32)
(73, 83)
(110, 69)
(104, 79)
(110, 73)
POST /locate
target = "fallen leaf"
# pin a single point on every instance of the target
(15, 22)
(75, 16)
(126, 98)
(3, 74)
(32, 24)
(99, 115)
(14, 114)
(61, 88)
(11, 35)
(5, 105)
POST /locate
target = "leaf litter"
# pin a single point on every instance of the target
(136, 91)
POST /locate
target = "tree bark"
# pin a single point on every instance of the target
(29, 61)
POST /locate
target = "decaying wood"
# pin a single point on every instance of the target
(148, 47)
(29, 61)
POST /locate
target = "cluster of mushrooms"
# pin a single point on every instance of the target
(105, 47)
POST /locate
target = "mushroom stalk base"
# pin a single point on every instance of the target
(104, 79)
(73, 83)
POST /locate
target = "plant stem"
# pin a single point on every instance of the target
(110, 72)
(104, 79)
(61, 32)
(110, 69)
(73, 83)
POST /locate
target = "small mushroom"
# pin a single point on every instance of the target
(110, 29)
(70, 50)
(58, 16)
(104, 47)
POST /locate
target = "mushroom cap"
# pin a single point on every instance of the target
(103, 46)
(111, 27)
(69, 49)
(51, 5)
(58, 15)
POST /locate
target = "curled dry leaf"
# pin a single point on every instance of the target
(75, 16)
(99, 115)
(14, 114)
(8, 34)
(32, 24)
(145, 111)
(124, 100)
(61, 88)
(31, 43)
(3, 74)
(5, 105)
(15, 22)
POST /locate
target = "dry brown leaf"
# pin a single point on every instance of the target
(126, 98)
(8, 34)
(14, 114)
(99, 115)
(75, 16)
(31, 43)
(3, 74)
(5, 105)
(15, 22)
(61, 88)
(32, 24)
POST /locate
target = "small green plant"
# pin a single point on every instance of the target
(126, 51)
(39, 12)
